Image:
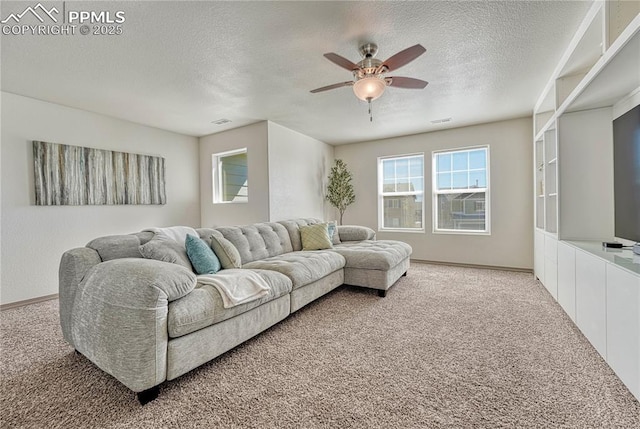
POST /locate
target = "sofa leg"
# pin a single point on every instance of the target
(148, 395)
(382, 293)
(405, 274)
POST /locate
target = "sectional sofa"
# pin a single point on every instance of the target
(145, 321)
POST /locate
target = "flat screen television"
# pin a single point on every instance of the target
(626, 174)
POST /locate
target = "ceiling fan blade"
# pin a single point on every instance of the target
(341, 61)
(334, 86)
(404, 57)
(406, 82)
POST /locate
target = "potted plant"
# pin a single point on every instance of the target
(340, 193)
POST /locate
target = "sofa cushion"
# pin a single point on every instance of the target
(225, 251)
(302, 267)
(165, 249)
(203, 306)
(116, 247)
(258, 241)
(315, 237)
(202, 258)
(293, 228)
(356, 233)
(373, 255)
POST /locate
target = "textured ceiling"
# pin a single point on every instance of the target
(181, 65)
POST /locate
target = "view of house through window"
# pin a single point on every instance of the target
(401, 192)
(230, 171)
(461, 190)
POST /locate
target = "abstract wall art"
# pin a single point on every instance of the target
(74, 176)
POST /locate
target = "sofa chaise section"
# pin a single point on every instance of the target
(374, 264)
(369, 263)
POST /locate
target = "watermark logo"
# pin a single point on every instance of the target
(33, 11)
(56, 20)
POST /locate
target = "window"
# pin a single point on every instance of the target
(461, 190)
(401, 192)
(230, 184)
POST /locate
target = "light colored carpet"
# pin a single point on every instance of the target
(448, 347)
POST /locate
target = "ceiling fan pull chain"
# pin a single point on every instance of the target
(370, 114)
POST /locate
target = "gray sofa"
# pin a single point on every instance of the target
(145, 321)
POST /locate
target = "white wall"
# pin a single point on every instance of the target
(511, 241)
(298, 170)
(34, 237)
(254, 138)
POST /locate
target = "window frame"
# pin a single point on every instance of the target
(382, 194)
(435, 192)
(216, 175)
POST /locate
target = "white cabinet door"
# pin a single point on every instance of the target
(551, 265)
(538, 255)
(567, 279)
(591, 300)
(623, 326)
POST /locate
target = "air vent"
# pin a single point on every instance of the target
(441, 121)
(221, 121)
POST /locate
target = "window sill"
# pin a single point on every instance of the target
(394, 230)
(461, 232)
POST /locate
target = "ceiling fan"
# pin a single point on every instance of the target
(369, 73)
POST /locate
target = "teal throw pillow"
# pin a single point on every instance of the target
(203, 259)
(333, 232)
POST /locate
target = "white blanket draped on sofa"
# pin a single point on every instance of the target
(236, 286)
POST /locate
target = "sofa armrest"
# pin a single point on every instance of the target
(75, 263)
(119, 319)
(355, 233)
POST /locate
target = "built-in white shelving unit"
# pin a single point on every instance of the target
(573, 185)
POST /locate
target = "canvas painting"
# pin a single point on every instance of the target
(74, 176)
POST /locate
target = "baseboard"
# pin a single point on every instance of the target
(486, 267)
(28, 301)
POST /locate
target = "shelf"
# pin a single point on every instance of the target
(591, 75)
(621, 13)
(612, 77)
(600, 67)
(543, 121)
(587, 46)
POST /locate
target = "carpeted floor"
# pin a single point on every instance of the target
(448, 347)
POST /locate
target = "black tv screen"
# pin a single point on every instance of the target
(626, 174)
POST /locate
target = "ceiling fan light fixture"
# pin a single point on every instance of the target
(369, 88)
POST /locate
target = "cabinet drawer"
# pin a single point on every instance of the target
(623, 326)
(567, 279)
(591, 300)
(551, 248)
(551, 277)
(538, 255)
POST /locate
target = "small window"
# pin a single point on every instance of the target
(461, 190)
(401, 192)
(230, 177)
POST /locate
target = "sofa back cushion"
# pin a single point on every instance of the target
(293, 228)
(258, 241)
(120, 246)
